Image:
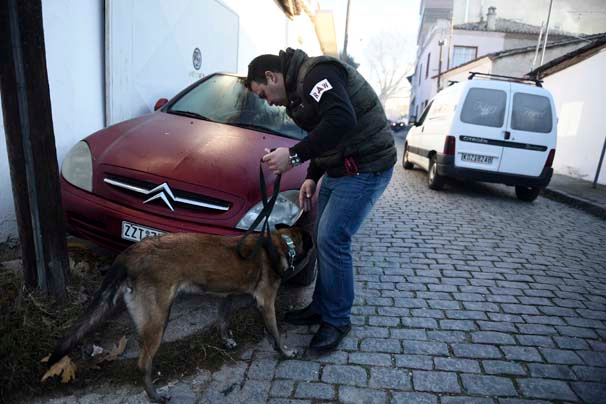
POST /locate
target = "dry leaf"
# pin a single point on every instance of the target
(45, 359)
(97, 350)
(113, 354)
(119, 348)
(65, 368)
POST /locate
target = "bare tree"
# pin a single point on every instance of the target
(388, 56)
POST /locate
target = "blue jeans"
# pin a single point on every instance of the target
(343, 204)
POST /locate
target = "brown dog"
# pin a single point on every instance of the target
(148, 276)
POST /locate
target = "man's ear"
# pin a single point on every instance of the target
(270, 76)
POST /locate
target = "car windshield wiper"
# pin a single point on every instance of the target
(255, 127)
(189, 114)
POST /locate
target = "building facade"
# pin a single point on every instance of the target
(457, 32)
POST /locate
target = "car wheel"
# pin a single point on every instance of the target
(405, 163)
(527, 194)
(434, 180)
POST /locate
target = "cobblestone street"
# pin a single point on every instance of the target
(465, 295)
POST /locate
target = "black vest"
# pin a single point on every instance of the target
(370, 143)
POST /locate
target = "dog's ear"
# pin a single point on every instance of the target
(308, 242)
(280, 226)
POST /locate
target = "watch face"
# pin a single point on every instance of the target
(295, 160)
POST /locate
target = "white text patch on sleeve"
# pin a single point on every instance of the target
(320, 88)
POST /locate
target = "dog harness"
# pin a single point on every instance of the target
(292, 253)
(264, 239)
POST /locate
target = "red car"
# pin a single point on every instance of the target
(190, 166)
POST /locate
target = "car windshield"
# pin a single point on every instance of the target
(225, 99)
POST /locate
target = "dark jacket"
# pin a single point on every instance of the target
(370, 143)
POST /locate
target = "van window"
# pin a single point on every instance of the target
(484, 107)
(425, 112)
(531, 113)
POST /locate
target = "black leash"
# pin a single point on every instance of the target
(265, 236)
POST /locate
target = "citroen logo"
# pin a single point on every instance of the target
(162, 191)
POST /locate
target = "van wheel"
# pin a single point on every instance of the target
(405, 163)
(527, 194)
(435, 180)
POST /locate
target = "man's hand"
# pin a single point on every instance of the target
(306, 193)
(278, 160)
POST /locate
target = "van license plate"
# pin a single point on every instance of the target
(476, 158)
(136, 232)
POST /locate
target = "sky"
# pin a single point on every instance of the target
(372, 18)
(369, 17)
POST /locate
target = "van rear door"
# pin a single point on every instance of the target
(481, 124)
(531, 131)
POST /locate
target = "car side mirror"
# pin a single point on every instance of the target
(413, 121)
(160, 103)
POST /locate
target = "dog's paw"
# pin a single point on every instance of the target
(160, 398)
(289, 353)
(230, 343)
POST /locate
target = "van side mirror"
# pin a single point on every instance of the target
(160, 103)
(412, 120)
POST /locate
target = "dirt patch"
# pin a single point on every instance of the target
(31, 324)
(10, 250)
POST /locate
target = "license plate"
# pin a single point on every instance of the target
(136, 232)
(476, 158)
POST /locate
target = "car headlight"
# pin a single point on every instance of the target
(286, 210)
(77, 168)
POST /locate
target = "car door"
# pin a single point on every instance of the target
(480, 126)
(531, 126)
(416, 140)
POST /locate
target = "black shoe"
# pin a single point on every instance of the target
(304, 316)
(328, 337)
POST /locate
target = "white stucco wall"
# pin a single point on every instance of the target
(483, 65)
(265, 29)
(8, 223)
(578, 92)
(73, 32)
(486, 42)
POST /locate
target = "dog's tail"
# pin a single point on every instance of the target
(105, 303)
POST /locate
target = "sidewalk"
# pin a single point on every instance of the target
(578, 193)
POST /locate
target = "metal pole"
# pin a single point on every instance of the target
(346, 32)
(441, 43)
(597, 173)
(536, 51)
(546, 32)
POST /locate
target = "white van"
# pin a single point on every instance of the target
(494, 130)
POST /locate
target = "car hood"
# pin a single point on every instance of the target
(216, 156)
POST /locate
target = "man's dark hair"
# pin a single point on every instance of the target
(259, 65)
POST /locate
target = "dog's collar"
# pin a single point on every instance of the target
(292, 253)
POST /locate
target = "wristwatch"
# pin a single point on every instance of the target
(295, 160)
